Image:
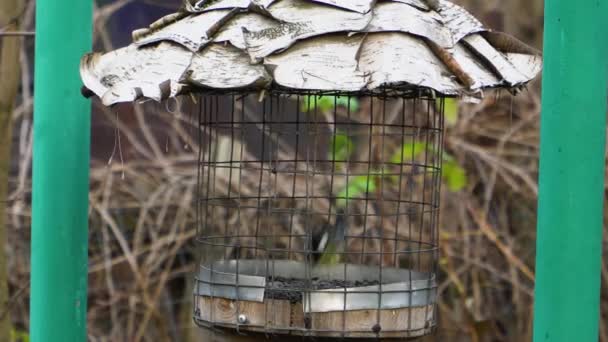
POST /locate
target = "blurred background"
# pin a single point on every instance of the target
(142, 253)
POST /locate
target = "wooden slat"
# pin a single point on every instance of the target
(272, 313)
(361, 323)
(276, 316)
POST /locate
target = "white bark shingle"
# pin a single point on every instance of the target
(300, 19)
(326, 63)
(128, 74)
(224, 67)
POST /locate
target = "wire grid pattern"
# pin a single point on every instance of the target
(283, 176)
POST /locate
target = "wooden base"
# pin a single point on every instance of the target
(283, 317)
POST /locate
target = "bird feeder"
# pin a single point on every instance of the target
(320, 151)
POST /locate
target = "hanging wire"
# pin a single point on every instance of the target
(17, 34)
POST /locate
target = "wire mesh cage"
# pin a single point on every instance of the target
(318, 213)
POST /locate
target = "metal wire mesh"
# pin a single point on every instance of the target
(317, 213)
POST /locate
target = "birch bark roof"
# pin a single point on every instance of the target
(338, 45)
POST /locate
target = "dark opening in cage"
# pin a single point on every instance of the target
(317, 213)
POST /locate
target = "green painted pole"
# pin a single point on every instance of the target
(60, 173)
(572, 162)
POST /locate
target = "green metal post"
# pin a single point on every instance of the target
(572, 162)
(60, 173)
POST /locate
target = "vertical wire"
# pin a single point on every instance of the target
(411, 209)
(429, 127)
(213, 154)
(311, 212)
(333, 158)
(261, 179)
(436, 180)
(369, 163)
(236, 245)
(402, 142)
(198, 201)
(200, 165)
(272, 169)
(347, 170)
(278, 161)
(307, 229)
(216, 164)
(433, 165)
(210, 164)
(242, 164)
(424, 181)
(294, 199)
(231, 166)
(435, 241)
(343, 256)
(346, 217)
(381, 203)
(278, 120)
(399, 183)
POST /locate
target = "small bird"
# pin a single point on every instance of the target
(329, 246)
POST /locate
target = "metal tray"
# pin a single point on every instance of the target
(246, 280)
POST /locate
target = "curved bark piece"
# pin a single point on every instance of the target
(193, 32)
(388, 16)
(361, 6)
(507, 43)
(458, 20)
(398, 59)
(210, 5)
(326, 63)
(130, 73)
(224, 67)
(233, 31)
(301, 19)
(528, 65)
(495, 60)
(420, 4)
(481, 76)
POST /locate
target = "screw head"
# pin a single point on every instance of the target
(242, 319)
(307, 321)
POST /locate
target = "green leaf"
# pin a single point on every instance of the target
(454, 175)
(340, 148)
(408, 151)
(326, 103)
(451, 110)
(356, 187)
(19, 336)
(343, 101)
